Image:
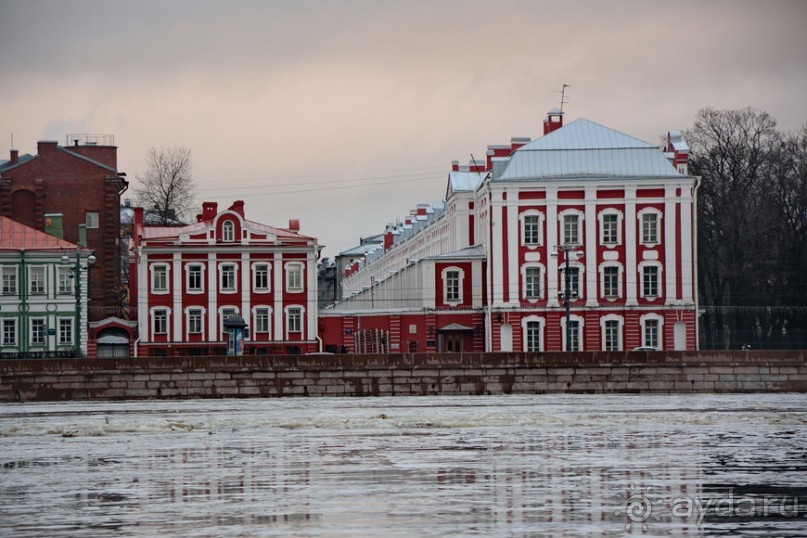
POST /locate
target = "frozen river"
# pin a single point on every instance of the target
(551, 465)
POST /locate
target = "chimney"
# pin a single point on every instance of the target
(677, 151)
(238, 207)
(44, 147)
(294, 225)
(455, 166)
(518, 141)
(53, 225)
(553, 121)
(15, 154)
(209, 211)
(137, 220)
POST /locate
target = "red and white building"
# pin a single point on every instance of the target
(185, 281)
(486, 270)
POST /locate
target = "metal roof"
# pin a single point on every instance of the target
(465, 181)
(586, 149)
(17, 236)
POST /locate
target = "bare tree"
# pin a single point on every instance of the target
(166, 187)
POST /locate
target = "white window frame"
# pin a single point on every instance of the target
(65, 284)
(604, 321)
(659, 279)
(256, 267)
(618, 267)
(32, 323)
(37, 275)
(660, 327)
(65, 331)
(292, 269)
(228, 231)
(577, 283)
(160, 268)
(153, 317)
(226, 308)
(10, 284)
(610, 213)
(10, 330)
(445, 276)
(524, 282)
(92, 219)
(257, 327)
(189, 311)
(298, 327)
(223, 266)
(581, 323)
(532, 213)
(525, 323)
(642, 216)
(562, 226)
(188, 271)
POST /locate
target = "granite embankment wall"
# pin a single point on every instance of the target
(402, 374)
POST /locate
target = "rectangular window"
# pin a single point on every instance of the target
(65, 281)
(650, 281)
(573, 335)
(91, 219)
(650, 228)
(612, 335)
(570, 229)
(65, 331)
(195, 278)
(295, 319)
(160, 321)
(195, 321)
(574, 283)
(452, 285)
(261, 320)
(261, 277)
(533, 336)
(159, 278)
(294, 277)
(227, 277)
(38, 332)
(36, 282)
(9, 280)
(610, 283)
(651, 333)
(532, 283)
(532, 230)
(610, 229)
(9, 332)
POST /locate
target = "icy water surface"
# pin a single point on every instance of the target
(550, 465)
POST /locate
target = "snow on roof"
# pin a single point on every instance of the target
(677, 141)
(465, 181)
(17, 236)
(475, 251)
(160, 232)
(587, 149)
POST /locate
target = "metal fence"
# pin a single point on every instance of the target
(754, 327)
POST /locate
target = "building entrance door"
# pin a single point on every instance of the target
(454, 342)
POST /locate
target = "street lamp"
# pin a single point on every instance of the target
(76, 276)
(567, 295)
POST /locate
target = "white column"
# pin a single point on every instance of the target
(513, 261)
(176, 288)
(687, 275)
(143, 297)
(552, 287)
(277, 293)
(631, 225)
(212, 298)
(670, 229)
(590, 241)
(497, 241)
(311, 303)
(246, 286)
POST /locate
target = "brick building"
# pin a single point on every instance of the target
(185, 281)
(580, 240)
(81, 182)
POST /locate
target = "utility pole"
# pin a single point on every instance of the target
(568, 296)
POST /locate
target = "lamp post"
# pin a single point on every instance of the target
(568, 296)
(76, 274)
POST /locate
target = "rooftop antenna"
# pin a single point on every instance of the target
(563, 96)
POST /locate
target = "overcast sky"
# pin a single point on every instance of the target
(347, 114)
